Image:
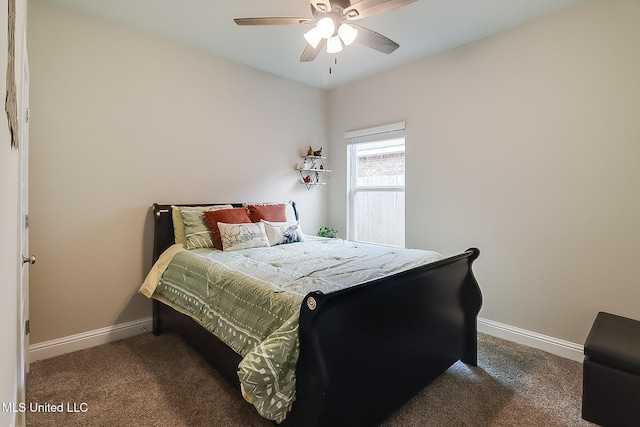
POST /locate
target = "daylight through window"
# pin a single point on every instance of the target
(376, 181)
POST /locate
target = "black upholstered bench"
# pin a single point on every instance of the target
(611, 372)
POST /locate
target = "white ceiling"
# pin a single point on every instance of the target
(421, 28)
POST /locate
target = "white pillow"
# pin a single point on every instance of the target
(280, 233)
(242, 236)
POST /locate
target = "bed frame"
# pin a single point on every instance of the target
(365, 350)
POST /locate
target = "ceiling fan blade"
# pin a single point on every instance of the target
(315, 12)
(275, 20)
(309, 53)
(321, 6)
(365, 8)
(375, 40)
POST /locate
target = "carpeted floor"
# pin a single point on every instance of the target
(160, 381)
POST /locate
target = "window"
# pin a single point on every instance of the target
(375, 208)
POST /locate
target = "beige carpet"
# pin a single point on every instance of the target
(160, 381)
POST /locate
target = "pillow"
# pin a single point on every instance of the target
(179, 235)
(290, 209)
(280, 233)
(196, 230)
(228, 216)
(242, 236)
(268, 212)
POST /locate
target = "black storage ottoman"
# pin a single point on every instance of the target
(611, 372)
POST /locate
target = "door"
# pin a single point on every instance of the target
(27, 258)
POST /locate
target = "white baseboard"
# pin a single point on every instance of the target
(552, 345)
(47, 349)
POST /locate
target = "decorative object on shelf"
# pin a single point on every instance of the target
(328, 231)
(312, 169)
(303, 165)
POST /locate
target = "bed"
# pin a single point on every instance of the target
(362, 351)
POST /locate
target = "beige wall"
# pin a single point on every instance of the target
(523, 144)
(121, 120)
(527, 145)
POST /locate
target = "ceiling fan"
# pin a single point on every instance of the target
(334, 27)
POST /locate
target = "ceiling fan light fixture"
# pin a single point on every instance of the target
(329, 21)
(326, 27)
(334, 45)
(312, 37)
(347, 33)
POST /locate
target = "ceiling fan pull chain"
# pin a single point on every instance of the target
(335, 62)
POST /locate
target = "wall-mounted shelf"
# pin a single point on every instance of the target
(314, 173)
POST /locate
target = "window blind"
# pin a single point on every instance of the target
(379, 133)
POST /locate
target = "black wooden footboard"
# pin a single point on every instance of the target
(366, 350)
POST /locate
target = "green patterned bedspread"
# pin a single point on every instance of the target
(251, 300)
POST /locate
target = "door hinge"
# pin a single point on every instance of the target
(26, 221)
(28, 114)
(27, 327)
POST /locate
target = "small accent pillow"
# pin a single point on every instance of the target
(280, 233)
(290, 209)
(268, 212)
(179, 233)
(242, 236)
(228, 216)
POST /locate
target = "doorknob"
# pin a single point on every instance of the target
(31, 260)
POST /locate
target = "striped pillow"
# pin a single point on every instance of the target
(196, 231)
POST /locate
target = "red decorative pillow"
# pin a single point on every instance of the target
(229, 216)
(275, 213)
